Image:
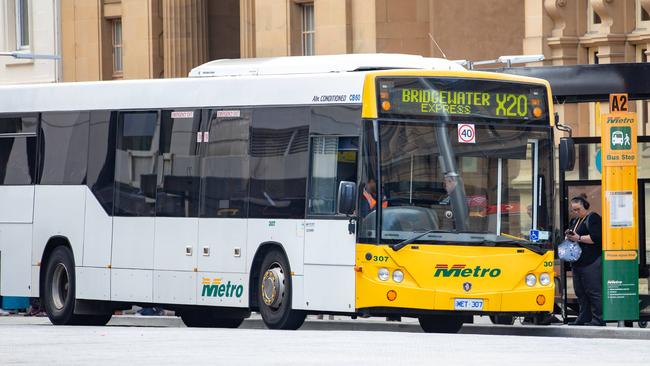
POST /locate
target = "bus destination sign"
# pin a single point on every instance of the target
(447, 97)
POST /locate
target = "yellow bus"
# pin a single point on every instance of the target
(462, 163)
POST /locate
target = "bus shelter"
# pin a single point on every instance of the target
(586, 84)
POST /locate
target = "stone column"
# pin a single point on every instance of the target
(185, 35)
(247, 28)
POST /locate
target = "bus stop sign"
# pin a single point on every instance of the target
(620, 217)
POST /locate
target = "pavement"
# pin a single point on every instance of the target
(481, 326)
(33, 341)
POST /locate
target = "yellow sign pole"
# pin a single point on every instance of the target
(620, 221)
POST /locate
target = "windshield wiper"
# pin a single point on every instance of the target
(532, 248)
(410, 240)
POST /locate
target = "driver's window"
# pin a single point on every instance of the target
(333, 159)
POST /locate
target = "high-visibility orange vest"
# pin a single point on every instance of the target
(372, 202)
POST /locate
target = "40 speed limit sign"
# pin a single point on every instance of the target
(466, 133)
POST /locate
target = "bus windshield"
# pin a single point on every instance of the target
(429, 179)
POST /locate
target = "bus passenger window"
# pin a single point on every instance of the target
(64, 147)
(18, 152)
(333, 159)
(178, 165)
(226, 165)
(135, 165)
(279, 159)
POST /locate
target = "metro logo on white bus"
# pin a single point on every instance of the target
(214, 288)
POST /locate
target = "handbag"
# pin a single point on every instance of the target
(569, 251)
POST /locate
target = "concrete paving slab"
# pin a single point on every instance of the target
(377, 325)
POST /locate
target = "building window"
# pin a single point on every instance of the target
(22, 24)
(644, 15)
(307, 29)
(117, 46)
(593, 19)
(597, 19)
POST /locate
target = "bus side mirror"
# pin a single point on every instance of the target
(567, 154)
(346, 197)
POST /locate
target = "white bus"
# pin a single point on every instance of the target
(212, 195)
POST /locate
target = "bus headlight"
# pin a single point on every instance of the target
(531, 280)
(398, 276)
(383, 274)
(544, 279)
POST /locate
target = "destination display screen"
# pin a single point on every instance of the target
(453, 97)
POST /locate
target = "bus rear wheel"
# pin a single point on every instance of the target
(440, 323)
(59, 297)
(59, 287)
(209, 319)
(274, 293)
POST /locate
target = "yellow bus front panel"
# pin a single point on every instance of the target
(436, 276)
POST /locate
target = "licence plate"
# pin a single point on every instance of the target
(468, 304)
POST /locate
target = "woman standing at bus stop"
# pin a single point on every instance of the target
(585, 229)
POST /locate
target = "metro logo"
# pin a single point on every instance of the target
(459, 270)
(214, 288)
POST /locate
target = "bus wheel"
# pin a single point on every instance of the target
(502, 319)
(59, 292)
(209, 319)
(440, 323)
(59, 287)
(643, 323)
(274, 293)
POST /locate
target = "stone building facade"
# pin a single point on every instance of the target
(29, 27)
(133, 39)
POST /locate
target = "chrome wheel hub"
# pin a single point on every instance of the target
(273, 286)
(60, 286)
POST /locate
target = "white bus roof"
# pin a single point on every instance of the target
(336, 79)
(320, 64)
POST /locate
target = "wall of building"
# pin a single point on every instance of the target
(394, 26)
(160, 38)
(477, 29)
(570, 32)
(43, 30)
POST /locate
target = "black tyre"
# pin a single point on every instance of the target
(59, 287)
(274, 293)
(502, 319)
(59, 292)
(209, 319)
(440, 324)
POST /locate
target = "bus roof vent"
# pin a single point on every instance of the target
(319, 64)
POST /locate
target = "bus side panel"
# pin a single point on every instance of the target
(93, 283)
(17, 204)
(15, 255)
(59, 211)
(329, 263)
(131, 285)
(290, 234)
(97, 235)
(16, 216)
(174, 287)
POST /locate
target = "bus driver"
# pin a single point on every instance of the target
(369, 201)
